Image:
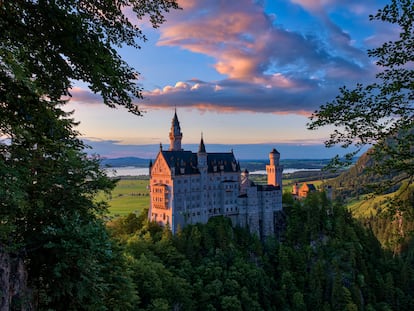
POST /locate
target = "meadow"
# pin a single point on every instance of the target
(129, 196)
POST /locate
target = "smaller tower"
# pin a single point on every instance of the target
(202, 166)
(274, 170)
(245, 174)
(175, 134)
(295, 189)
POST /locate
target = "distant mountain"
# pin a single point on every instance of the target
(256, 165)
(358, 178)
(127, 161)
(250, 165)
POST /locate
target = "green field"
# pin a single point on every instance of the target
(368, 206)
(129, 196)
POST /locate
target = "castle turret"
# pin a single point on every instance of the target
(295, 189)
(202, 157)
(201, 147)
(202, 166)
(245, 174)
(274, 170)
(175, 134)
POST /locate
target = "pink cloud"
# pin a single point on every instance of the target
(248, 46)
(233, 32)
(268, 68)
(85, 96)
(232, 95)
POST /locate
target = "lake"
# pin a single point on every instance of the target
(144, 171)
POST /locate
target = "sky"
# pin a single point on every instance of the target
(245, 74)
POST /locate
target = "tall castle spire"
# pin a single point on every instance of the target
(175, 134)
(201, 147)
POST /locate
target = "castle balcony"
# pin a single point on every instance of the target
(232, 211)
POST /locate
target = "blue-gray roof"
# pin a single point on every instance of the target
(187, 160)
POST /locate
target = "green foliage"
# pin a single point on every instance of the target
(360, 179)
(47, 44)
(48, 210)
(325, 261)
(389, 216)
(380, 113)
(48, 213)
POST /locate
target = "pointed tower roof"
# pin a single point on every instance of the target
(201, 147)
(175, 124)
(175, 118)
(175, 133)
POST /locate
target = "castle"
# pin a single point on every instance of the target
(188, 188)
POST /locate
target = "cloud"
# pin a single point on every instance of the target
(267, 67)
(234, 95)
(244, 41)
(81, 95)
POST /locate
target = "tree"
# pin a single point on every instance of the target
(47, 44)
(382, 113)
(50, 224)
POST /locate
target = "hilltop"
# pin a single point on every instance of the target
(379, 212)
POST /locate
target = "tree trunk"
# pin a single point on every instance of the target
(4, 280)
(14, 294)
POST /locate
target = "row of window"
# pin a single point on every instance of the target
(161, 181)
(164, 217)
(159, 199)
(212, 178)
(159, 205)
(158, 190)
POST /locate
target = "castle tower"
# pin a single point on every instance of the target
(274, 170)
(202, 156)
(295, 189)
(202, 166)
(175, 134)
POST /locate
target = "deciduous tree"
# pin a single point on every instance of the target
(49, 219)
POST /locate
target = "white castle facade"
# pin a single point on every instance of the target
(188, 188)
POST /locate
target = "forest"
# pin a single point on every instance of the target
(323, 260)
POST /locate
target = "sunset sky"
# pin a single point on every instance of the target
(240, 72)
